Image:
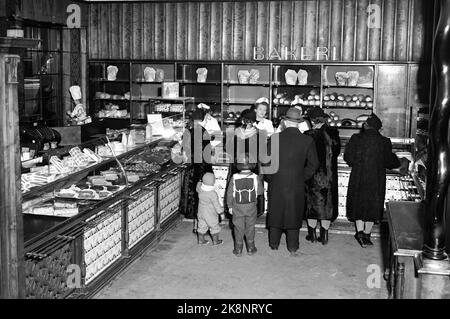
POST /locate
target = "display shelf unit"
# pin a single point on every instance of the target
(205, 89)
(385, 83)
(240, 92)
(107, 94)
(188, 105)
(285, 88)
(147, 79)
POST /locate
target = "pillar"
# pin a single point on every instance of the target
(12, 281)
(438, 145)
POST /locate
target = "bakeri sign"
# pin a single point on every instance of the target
(301, 53)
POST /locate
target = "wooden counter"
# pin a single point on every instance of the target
(406, 220)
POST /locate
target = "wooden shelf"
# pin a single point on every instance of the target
(348, 87)
(199, 83)
(112, 118)
(118, 100)
(347, 127)
(109, 81)
(297, 85)
(141, 100)
(348, 107)
(176, 99)
(285, 105)
(147, 82)
(246, 84)
(239, 102)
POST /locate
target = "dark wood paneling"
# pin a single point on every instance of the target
(274, 25)
(374, 41)
(116, 43)
(324, 23)
(262, 24)
(336, 27)
(250, 29)
(216, 31)
(238, 30)
(51, 11)
(349, 28)
(310, 23)
(361, 31)
(401, 34)
(227, 33)
(136, 30)
(229, 30)
(388, 26)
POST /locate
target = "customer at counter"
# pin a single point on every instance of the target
(297, 158)
(195, 140)
(322, 188)
(247, 141)
(369, 154)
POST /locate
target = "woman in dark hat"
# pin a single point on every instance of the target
(369, 154)
(322, 188)
(197, 164)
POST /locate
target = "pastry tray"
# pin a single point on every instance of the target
(96, 198)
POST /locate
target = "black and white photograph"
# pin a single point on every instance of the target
(224, 156)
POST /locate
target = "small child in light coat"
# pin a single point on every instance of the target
(242, 193)
(209, 209)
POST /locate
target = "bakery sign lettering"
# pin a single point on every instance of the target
(301, 53)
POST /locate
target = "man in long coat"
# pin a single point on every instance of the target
(297, 158)
(369, 154)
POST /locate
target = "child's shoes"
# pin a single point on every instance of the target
(201, 239)
(216, 240)
(251, 249)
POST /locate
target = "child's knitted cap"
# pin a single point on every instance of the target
(209, 179)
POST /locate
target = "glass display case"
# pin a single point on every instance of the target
(101, 205)
(41, 100)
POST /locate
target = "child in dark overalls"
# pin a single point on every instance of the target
(242, 193)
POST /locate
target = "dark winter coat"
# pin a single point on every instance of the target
(248, 141)
(298, 161)
(369, 154)
(194, 172)
(322, 188)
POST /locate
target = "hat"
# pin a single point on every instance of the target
(75, 91)
(374, 121)
(203, 106)
(245, 161)
(294, 115)
(316, 112)
(198, 115)
(209, 179)
(248, 115)
(262, 100)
